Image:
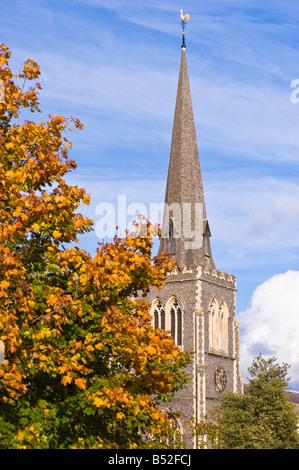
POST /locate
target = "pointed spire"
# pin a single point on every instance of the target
(185, 229)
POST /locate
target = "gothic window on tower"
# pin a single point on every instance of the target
(171, 238)
(218, 327)
(206, 245)
(213, 324)
(158, 313)
(174, 320)
(206, 238)
(176, 434)
(223, 315)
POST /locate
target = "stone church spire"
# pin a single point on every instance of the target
(185, 228)
(197, 304)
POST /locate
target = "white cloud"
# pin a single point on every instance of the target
(270, 325)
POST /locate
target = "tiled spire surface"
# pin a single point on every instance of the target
(184, 187)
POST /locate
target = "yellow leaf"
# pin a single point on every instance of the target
(52, 299)
(156, 415)
(98, 402)
(56, 234)
(4, 284)
(62, 369)
(151, 350)
(80, 383)
(66, 380)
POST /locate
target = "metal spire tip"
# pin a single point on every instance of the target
(184, 18)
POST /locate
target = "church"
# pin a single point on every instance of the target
(198, 302)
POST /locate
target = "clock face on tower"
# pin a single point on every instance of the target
(220, 379)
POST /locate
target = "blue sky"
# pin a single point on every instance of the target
(114, 65)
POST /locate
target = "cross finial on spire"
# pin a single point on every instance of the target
(184, 19)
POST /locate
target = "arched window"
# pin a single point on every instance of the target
(218, 327)
(172, 316)
(175, 320)
(213, 324)
(156, 319)
(158, 313)
(223, 337)
(176, 434)
(171, 238)
(206, 238)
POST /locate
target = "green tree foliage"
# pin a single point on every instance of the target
(262, 418)
(83, 366)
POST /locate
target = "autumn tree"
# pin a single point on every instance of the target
(262, 418)
(83, 366)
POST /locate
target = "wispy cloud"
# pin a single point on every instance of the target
(254, 214)
(240, 80)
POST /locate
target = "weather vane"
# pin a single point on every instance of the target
(184, 19)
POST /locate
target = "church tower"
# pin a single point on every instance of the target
(198, 302)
